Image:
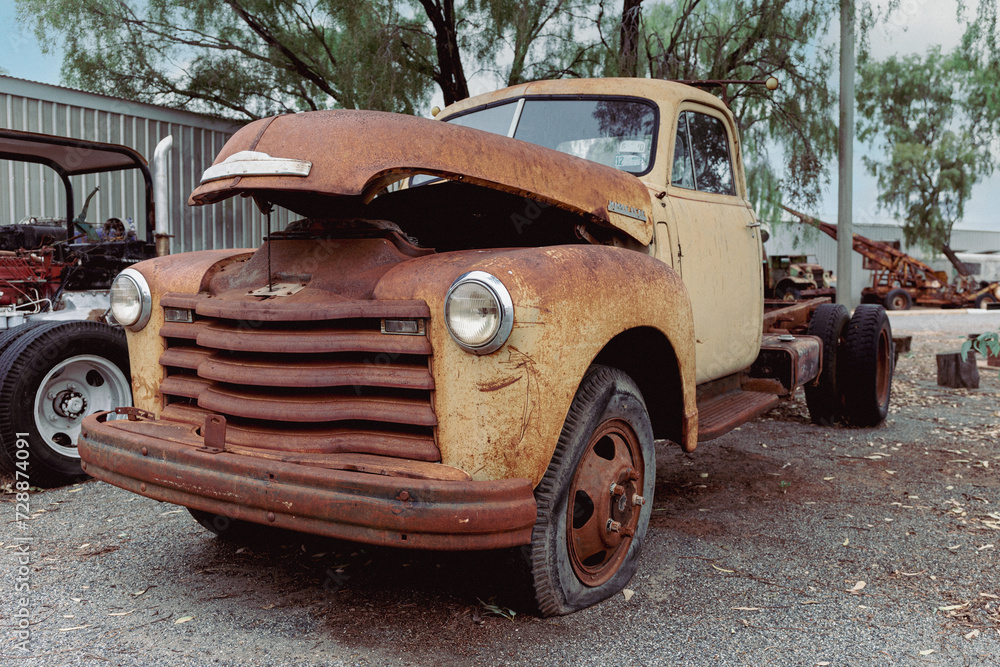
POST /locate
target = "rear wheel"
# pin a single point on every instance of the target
(825, 399)
(984, 299)
(898, 299)
(595, 499)
(865, 371)
(789, 293)
(51, 377)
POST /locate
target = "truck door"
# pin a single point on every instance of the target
(717, 241)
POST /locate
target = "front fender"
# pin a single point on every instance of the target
(500, 415)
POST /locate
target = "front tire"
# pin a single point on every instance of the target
(898, 299)
(237, 531)
(51, 377)
(596, 497)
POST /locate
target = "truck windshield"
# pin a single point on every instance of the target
(614, 132)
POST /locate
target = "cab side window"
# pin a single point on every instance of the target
(701, 155)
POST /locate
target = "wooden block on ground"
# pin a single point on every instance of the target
(953, 371)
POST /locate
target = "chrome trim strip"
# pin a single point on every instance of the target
(516, 119)
(255, 163)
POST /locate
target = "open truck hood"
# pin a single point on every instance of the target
(350, 156)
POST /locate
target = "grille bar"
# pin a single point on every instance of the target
(227, 336)
(321, 439)
(259, 372)
(268, 311)
(316, 407)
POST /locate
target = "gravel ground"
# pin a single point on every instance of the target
(781, 543)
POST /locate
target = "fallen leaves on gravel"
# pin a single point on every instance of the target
(857, 587)
(183, 619)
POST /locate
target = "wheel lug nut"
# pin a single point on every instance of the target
(614, 526)
(52, 418)
(51, 395)
(71, 386)
(617, 490)
(638, 500)
(632, 475)
(628, 532)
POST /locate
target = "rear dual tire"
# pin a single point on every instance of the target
(855, 382)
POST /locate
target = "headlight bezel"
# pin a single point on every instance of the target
(145, 298)
(505, 306)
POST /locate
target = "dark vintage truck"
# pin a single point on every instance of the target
(476, 330)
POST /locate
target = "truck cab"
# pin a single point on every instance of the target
(475, 332)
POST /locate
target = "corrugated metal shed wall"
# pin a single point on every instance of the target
(35, 190)
(789, 238)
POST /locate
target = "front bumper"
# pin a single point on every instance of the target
(169, 461)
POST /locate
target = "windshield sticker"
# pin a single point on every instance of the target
(632, 147)
(629, 211)
(629, 160)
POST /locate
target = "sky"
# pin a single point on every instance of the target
(915, 26)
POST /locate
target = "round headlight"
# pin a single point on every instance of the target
(131, 302)
(479, 312)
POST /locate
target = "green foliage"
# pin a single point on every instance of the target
(922, 115)
(525, 41)
(248, 58)
(987, 344)
(751, 40)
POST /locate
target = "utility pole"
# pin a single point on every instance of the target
(845, 181)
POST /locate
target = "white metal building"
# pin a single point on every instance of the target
(35, 190)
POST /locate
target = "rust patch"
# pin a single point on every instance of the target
(497, 385)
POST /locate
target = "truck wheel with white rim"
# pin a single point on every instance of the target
(51, 377)
(596, 497)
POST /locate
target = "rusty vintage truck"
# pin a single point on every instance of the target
(475, 331)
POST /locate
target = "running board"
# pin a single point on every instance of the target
(721, 414)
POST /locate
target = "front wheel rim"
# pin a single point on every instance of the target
(605, 502)
(71, 390)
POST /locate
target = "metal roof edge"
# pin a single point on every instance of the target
(71, 96)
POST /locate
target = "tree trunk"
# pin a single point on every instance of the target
(628, 55)
(450, 75)
(962, 269)
(953, 371)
